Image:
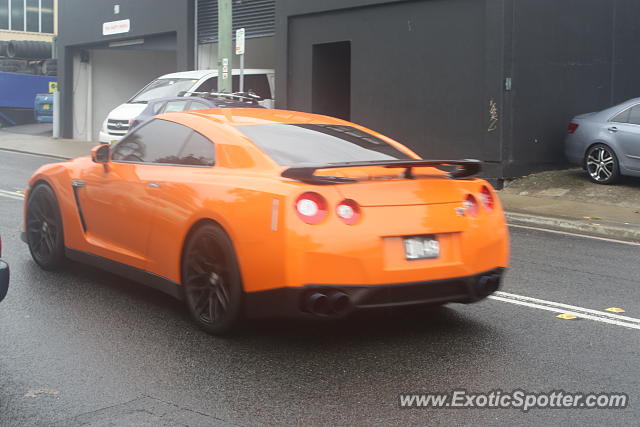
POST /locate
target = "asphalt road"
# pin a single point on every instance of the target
(85, 347)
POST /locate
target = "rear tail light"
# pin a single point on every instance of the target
(348, 211)
(486, 198)
(471, 205)
(311, 207)
(572, 127)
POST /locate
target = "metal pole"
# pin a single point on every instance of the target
(225, 48)
(242, 73)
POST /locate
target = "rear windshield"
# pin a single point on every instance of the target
(293, 144)
(163, 88)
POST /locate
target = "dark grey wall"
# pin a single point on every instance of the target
(418, 71)
(569, 57)
(80, 27)
(431, 73)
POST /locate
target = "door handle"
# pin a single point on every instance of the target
(153, 185)
(613, 129)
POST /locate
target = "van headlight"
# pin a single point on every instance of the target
(104, 126)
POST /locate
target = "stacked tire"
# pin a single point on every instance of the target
(49, 67)
(12, 65)
(28, 49)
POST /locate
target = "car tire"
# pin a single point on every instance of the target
(45, 235)
(211, 280)
(601, 164)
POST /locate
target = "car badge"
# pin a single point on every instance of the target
(118, 125)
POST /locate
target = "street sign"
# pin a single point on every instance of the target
(240, 41)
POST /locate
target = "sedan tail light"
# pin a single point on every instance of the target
(348, 211)
(311, 207)
(471, 205)
(486, 198)
(572, 127)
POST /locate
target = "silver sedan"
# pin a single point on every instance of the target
(607, 143)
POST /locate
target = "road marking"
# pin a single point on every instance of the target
(566, 233)
(615, 310)
(557, 307)
(11, 195)
(566, 316)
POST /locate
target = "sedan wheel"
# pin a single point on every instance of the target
(602, 164)
(44, 228)
(211, 280)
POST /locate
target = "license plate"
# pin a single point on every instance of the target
(421, 247)
(113, 141)
(46, 106)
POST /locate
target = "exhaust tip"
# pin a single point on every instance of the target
(318, 304)
(339, 303)
(486, 285)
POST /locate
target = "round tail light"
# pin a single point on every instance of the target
(487, 198)
(311, 207)
(348, 211)
(471, 205)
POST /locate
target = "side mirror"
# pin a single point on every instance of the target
(101, 153)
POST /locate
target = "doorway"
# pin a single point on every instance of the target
(331, 79)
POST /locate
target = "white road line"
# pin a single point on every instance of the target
(556, 307)
(566, 233)
(567, 306)
(11, 195)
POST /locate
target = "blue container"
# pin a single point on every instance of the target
(43, 108)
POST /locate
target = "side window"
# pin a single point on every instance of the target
(197, 151)
(209, 85)
(634, 115)
(258, 83)
(158, 141)
(196, 105)
(622, 117)
(173, 106)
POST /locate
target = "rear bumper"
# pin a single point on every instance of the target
(4, 279)
(294, 301)
(574, 149)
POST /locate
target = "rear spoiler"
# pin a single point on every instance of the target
(306, 173)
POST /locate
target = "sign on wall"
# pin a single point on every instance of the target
(116, 27)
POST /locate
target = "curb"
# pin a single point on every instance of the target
(626, 232)
(54, 156)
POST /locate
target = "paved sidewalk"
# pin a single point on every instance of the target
(562, 200)
(41, 143)
(568, 200)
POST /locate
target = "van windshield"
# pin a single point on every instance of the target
(162, 88)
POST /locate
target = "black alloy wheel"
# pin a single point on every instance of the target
(44, 228)
(602, 164)
(211, 280)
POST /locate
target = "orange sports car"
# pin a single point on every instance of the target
(267, 213)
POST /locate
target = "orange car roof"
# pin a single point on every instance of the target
(262, 116)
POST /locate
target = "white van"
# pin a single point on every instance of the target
(116, 125)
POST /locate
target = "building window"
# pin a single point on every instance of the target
(17, 15)
(4, 14)
(33, 16)
(27, 15)
(46, 11)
